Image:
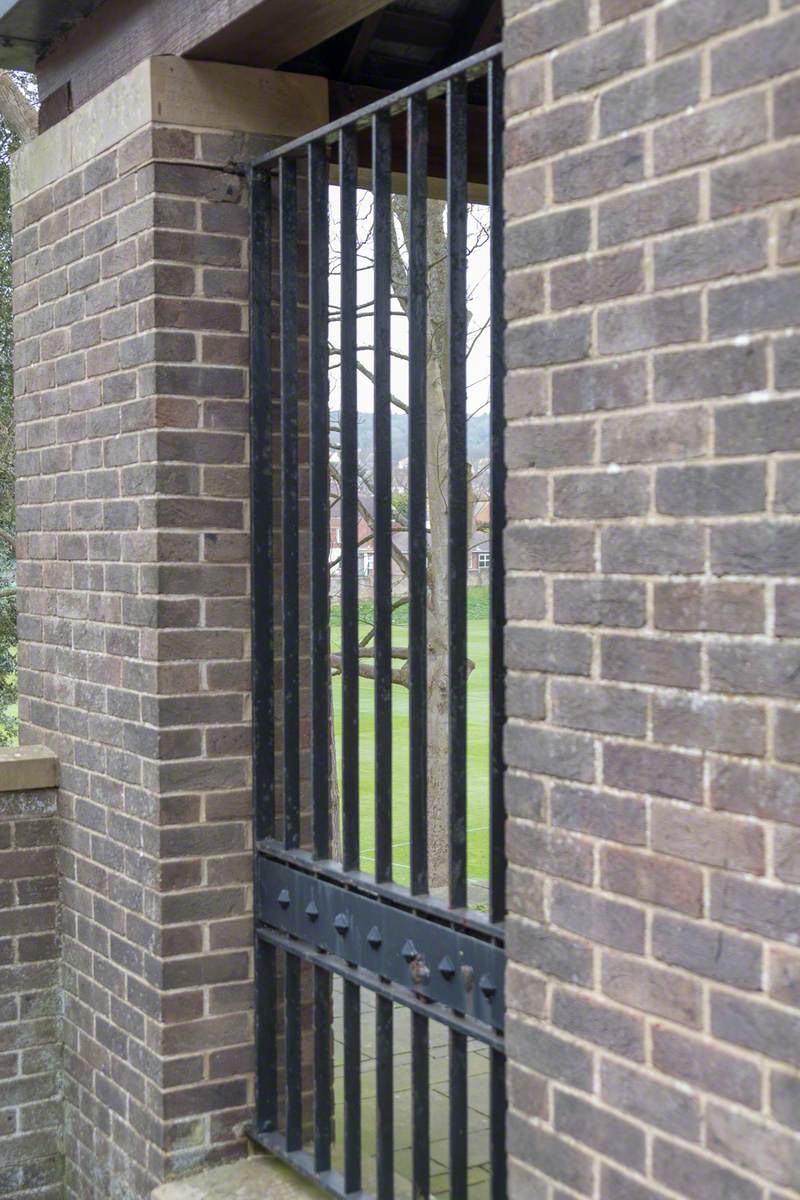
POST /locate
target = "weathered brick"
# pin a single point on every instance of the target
(599, 386)
(546, 27)
(598, 169)
(652, 879)
(553, 235)
(550, 1154)
(785, 1098)
(550, 133)
(652, 989)
(708, 952)
(711, 491)
(754, 181)
(607, 602)
(551, 548)
(709, 724)
(752, 305)
(755, 790)
(787, 735)
(655, 93)
(598, 919)
(698, 1177)
(709, 607)
(711, 253)
(643, 324)
(704, 1065)
(709, 372)
(763, 548)
(708, 838)
(767, 670)
(550, 1054)
(652, 551)
(655, 1103)
(644, 211)
(692, 21)
(606, 1133)
(543, 343)
(656, 437)
(769, 1153)
(601, 814)
(756, 907)
(549, 752)
(710, 133)
(760, 54)
(595, 1021)
(599, 709)
(601, 494)
(758, 428)
(599, 59)
(595, 279)
(661, 661)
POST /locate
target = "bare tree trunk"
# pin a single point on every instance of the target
(16, 110)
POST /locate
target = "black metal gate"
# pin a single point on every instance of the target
(329, 933)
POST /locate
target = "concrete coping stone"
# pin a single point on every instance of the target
(27, 769)
(259, 1178)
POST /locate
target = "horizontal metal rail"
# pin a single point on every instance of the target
(393, 893)
(434, 85)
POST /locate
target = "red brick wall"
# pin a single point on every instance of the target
(131, 323)
(31, 1113)
(653, 549)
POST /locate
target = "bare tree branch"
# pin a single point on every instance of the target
(16, 110)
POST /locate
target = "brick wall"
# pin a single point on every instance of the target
(30, 1047)
(653, 549)
(131, 325)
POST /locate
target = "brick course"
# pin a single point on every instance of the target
(653, 779)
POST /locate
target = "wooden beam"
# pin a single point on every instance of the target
(346, 98)
(259, 33)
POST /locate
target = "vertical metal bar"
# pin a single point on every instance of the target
(384, 1078)
(266, 1037)
(348, 163)
(352, 1086)
(457, 481)
(458, 1114)
(417, 505)
(294, 1054)
(497, 1124)
(290, 506)
(382, 488)
(420, 1106)
(319, 494)
(261, 483)
(262, 620)
(323, 1080)
(497, 815)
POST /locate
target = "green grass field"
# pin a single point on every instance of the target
(477, 747)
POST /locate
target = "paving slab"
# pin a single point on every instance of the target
(258, 1178)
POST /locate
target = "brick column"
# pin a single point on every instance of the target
(131, 308)
(653, 549)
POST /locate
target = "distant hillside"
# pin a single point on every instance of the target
(477, 437)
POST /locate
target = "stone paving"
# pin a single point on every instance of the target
(259, 1178)
(478, 1103)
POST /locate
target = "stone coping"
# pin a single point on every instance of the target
(259, 1178)
(171, 91)
(27, 768)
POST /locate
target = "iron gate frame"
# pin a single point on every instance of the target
(441, 960)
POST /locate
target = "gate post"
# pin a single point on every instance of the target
(131, 293)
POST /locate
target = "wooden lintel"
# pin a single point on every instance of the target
(259, 33)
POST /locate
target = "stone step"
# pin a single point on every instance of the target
(257, 1178)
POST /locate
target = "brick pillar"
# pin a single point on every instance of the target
(653, 548)
(131, 248)
(31, 1112)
